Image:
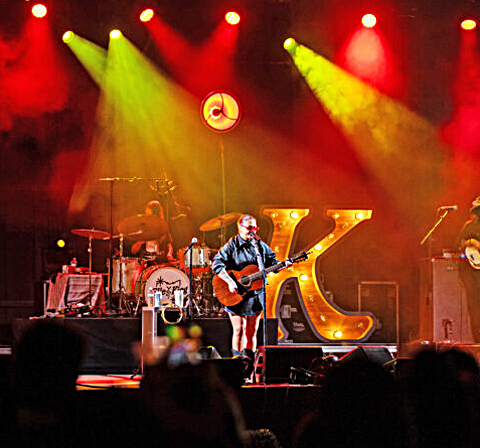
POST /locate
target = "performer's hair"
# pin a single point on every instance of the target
(244, 218)
(155, 207)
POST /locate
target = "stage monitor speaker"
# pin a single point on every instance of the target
(378, 355)
(229, 370)
(209, 352)
(273, 363)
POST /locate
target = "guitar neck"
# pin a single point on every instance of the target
(259, 274)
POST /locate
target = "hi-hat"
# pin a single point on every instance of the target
(219, 221)
(91, 233)
(143, 227)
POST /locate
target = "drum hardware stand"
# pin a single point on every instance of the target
(168, 187)
(122, 300)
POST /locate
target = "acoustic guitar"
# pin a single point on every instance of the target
(249, 278)
(472, 254)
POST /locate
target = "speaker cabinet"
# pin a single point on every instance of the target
(381, 299)
(443, 304)
(378, 355)
(273, 363)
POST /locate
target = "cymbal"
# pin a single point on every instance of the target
(219, 221)
(91, 233)
(143, 227)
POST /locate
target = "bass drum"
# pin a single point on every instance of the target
(171, 282)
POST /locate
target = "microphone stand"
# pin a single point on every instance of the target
(261, 267)
(190, 279)
(429, 233)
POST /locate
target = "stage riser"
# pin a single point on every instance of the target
(108, 341)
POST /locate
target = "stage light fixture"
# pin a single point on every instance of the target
(468, 24)
(68, 36)
(232, 18)
(115, 34)
(146, 15)
(369, 20)
(39, 11)
(289, 44)
(220, 111)
(61, 244)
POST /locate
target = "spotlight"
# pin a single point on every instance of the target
(146, 15)
(115, 34)
(468, 24)
(369, 20)
(39, 11)
(232, 18)
(68, 36)
(220, 111)
(61, 244)
(289, 44)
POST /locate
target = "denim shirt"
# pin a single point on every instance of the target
(238, 253)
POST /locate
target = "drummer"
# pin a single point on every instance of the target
(159, 250)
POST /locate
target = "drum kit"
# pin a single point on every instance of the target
(169, 285)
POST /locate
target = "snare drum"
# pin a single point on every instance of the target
(200, 259)
(128, 267)
(166, 280)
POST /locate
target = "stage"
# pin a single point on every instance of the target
(108, 340)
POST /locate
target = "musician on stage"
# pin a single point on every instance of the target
(236, 254)
(469, 239)
(160, 249)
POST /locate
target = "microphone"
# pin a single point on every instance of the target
(448, 207)
(192, 243)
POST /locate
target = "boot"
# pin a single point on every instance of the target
(249, 356)
(235, 353)
(249, 353)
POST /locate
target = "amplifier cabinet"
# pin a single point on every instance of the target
(443, 304)
(382, 299)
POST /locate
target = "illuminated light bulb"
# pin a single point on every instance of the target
(369, 20)
(68, 36)
(232, 18)
(289, 44)
(359, 216)
(39, 11)
(318, 246)
(115, 34)
(147, 15)
(61, 243)
(337, 334)
(294, 215)
(468, 24)
(215, 112)
(304, 277)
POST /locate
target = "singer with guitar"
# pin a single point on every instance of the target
(239, 253)
(469, 271)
